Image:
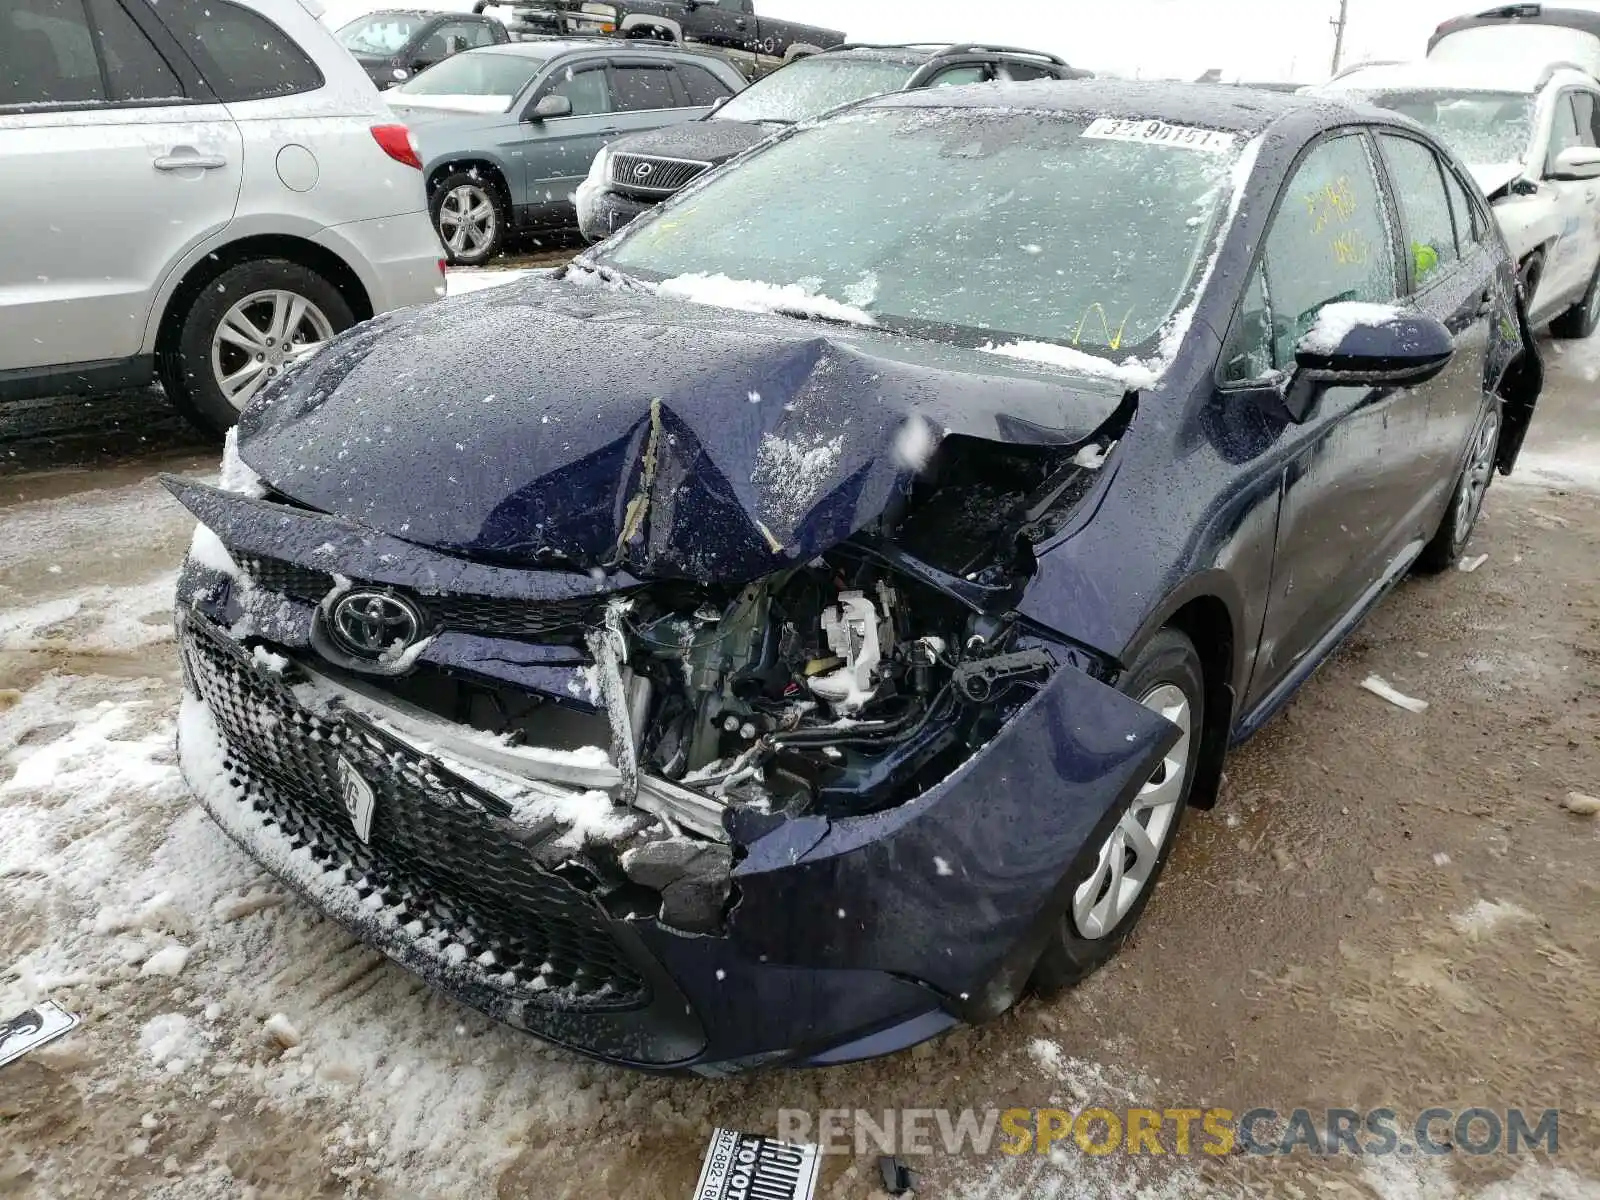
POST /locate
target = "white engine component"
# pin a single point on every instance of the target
(851, 628)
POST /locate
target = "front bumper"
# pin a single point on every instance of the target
(841, 940)
(601, 213)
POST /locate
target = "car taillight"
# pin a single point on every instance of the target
(398, 143)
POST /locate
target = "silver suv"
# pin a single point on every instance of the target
(196, 190)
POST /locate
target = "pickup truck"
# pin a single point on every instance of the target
(755, 43)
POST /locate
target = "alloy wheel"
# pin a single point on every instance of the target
(1129, 856)
(1475, 479)
(467, 220)
(261, 335)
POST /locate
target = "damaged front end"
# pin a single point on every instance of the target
(678, 823)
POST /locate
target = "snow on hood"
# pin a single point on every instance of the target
(542, 423)
(1491, 177)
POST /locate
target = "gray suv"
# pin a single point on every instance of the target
(507, 132)
(632, 175)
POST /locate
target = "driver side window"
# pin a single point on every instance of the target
(587, 89)
(1329, 241)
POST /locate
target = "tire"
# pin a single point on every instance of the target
(1580, 320)
(1466, 497)
(209, 345)
(1168, 666)
(471, 216)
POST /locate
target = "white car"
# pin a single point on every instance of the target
(199, 190)
(1530, 135)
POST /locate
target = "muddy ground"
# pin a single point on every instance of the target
(1387, 910)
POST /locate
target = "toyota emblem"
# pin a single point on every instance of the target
(643, 171)
(372, 624)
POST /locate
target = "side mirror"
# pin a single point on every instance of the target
(455, 45)
(1362, 345)
(551, 106)
(1577, 162)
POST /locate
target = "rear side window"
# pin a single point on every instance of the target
(703, 87)
(1019, 71)
(47, 54)
(242, 55)
(1469, 231)
(1424, 207)
(640, 89)
(967, 73)
(134, 67)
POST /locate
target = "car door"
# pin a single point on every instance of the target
(559, 150)
(1349, 485)
(1454, 280)
(725, 24)
(114, 162)
(1571, 260)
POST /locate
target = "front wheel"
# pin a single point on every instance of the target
(1110, 893)
(1466, 502)
(1580, 320)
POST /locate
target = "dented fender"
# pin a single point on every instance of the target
(960, 886)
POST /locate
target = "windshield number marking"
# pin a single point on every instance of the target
(1159, 133)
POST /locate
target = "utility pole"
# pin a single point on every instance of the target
(1338, 24)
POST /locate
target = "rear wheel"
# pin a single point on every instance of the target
(1110, 893)
(242, 330)
(471, 216)
(1580, 320)
(1466, 502)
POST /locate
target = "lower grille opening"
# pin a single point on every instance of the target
(443, 860)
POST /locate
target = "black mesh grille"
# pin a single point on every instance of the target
(275, 575)
(659, 177)
(527, 620)
(439, 857)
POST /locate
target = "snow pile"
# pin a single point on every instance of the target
(1134, 374)
(461, 283)
(1335, 322)
(748, 295)
(1486, 916)
(233, 475)
(94, 621)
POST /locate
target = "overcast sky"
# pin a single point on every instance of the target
(1250, 39)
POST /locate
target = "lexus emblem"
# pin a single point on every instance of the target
(643, 171)
(374, 624)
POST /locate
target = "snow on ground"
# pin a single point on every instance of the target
(461, 282)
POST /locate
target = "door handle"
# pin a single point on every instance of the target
(190, 162)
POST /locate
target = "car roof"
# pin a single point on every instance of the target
(1239, 110)
(917, 53)
(1586, 20)
(1424, 75)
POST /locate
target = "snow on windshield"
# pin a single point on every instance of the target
(1481, 127)
(1028, 229)
(381, 33)
(809, 87)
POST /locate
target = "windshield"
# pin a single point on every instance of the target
(808, 87)
(1481, 127)
(967, 225)
(380, 33)
(480, 80)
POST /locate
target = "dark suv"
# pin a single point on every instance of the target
(394, 44)
(634, 173)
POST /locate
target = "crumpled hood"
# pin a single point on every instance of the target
(549, 423)
(1491, 177)
(710, 140)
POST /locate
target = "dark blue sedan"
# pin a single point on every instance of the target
(802, 624)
